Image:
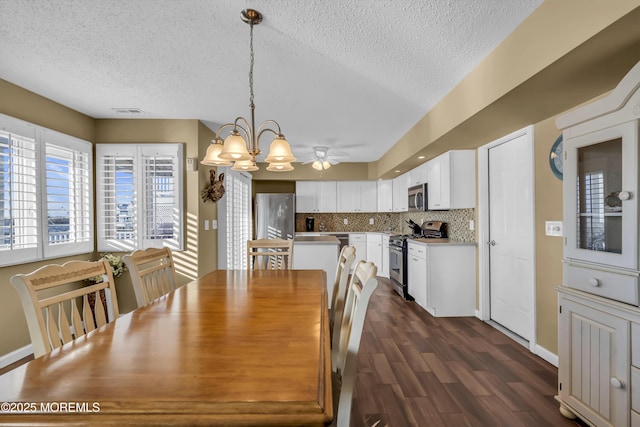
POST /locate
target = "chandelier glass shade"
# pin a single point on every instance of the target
(212, 157)
(241, 146)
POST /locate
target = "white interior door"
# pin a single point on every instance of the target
(511, 235)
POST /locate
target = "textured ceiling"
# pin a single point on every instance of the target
(354, 75)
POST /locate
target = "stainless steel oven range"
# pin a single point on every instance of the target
(398, 265)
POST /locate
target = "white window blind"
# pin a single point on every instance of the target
(238, 219)
(46, 198)
(69, 202)
(139, 196)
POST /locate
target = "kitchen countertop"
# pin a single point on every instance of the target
(315, 240)
(453, 242)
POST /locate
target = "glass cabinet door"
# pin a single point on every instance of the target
(600, 188)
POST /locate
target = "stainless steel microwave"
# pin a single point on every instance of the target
(418, 198)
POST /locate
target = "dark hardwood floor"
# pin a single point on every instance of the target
(417, 370)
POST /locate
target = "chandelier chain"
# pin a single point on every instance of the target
(251, 65)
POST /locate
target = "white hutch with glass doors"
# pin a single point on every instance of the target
(599, 314)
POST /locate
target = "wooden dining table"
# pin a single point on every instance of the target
(232, 348)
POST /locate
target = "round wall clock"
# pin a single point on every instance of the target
(555, 158)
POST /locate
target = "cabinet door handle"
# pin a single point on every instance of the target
(594, 282)
(492, 243)
(616, 383)
(624, 195)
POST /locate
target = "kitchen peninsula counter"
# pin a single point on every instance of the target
(316, 240)
(317, 253)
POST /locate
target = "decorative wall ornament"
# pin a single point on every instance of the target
(215, 190)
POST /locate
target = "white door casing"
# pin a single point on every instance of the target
(507, 233)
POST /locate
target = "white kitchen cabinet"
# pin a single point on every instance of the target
(594, 369)
(452, 180)
(316, 196)
(384, 265)
(357, 196)
(400, 195)
(385, 195)
(374, 249)
(599, 320)
(601, 227)
(419, 175)
(442, 278)
(417, 273)
(359, 241)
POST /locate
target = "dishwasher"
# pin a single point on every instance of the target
(343, 237)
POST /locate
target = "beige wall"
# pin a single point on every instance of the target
(548, 207)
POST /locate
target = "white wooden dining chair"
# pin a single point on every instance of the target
(57, 304)
(345, 259)
(361, 286)
(269, 254)
(153, 273)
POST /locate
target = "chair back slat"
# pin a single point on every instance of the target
(153, 273)
(87, 314)
(63, 324)
(345, 260)
(56, 320)
(361, 286)
(53, 336)
(269, 254)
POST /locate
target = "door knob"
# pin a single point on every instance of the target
(492, 243)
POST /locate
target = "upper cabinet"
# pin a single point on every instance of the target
(452, 180)
(385, 195)
(357, 196)
(315, 196)
(419, 175)
(600, 196)
(400, 186)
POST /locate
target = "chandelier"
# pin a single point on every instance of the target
(241, 146)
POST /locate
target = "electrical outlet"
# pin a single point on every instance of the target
(472, 225)
(214, 224)
(206, 224)
(346, 221)
(370, 221)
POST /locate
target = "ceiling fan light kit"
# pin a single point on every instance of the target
(242, 144)
(320, 160)
(320, 165)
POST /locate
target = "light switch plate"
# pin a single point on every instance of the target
(206, 224)
(370, 221)
(553, 228)
(346, 221)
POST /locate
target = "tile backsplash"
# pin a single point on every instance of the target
(457, 220)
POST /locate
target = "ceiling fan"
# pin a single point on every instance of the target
(321, 160)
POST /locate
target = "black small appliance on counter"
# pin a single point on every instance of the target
(309, 223)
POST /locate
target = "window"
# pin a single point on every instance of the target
(46, 198)
(238, 219)
(139, 196)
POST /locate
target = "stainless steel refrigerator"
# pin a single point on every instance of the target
(275, 215)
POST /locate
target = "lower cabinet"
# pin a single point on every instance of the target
(359, 241)
(598, 359)
(442, 278)
(417, 273)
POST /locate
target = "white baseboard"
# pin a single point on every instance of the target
(15, 355)
(547, 355)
